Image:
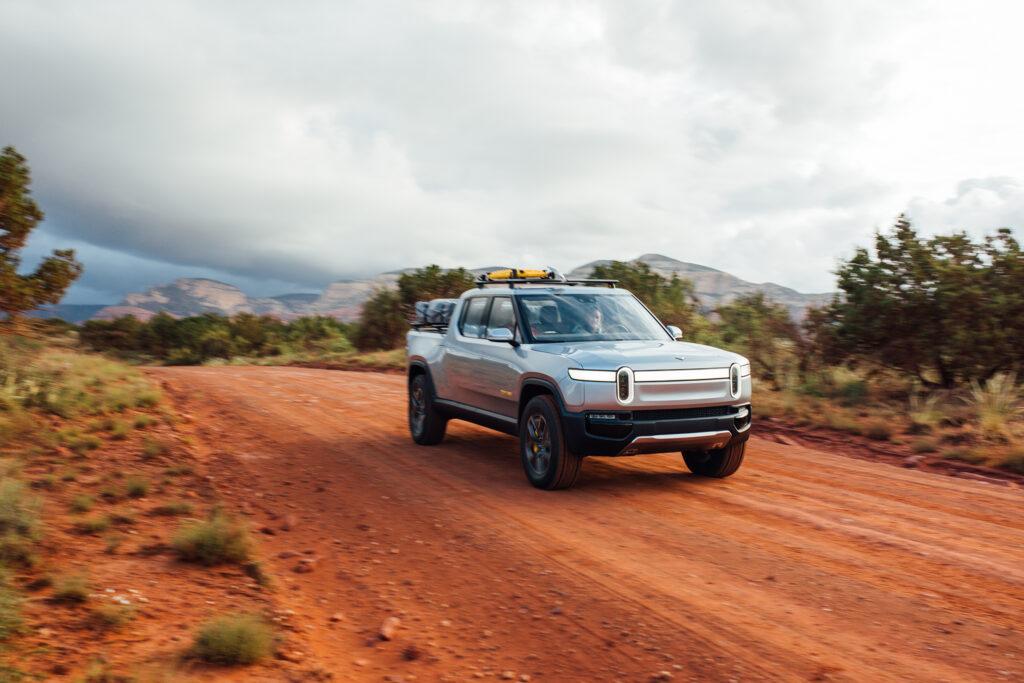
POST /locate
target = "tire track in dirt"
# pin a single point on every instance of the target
(803, 566)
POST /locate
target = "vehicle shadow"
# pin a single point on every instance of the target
(495, 458)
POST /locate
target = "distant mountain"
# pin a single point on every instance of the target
(72, 313)
(715, 288)
(344, 299)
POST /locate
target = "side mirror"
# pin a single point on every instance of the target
(675, 332)
(501, 335)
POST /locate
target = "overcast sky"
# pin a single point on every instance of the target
(281, 146)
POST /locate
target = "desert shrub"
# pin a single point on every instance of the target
(153, 448)
(853, 393)
(924, 445)
(174, 508)
(10, 608)
(843, 423)
(143, 421)
(111, 616)
(19, 521)
(111, 543)
(120, 429)
(82, 503)
(996, 405)
(179, 469)
(878, 429)
(71, 588)
(1013, 460)
(136, 487)
(962, 453)
(93, 525)
(218, 540)
(233, 639)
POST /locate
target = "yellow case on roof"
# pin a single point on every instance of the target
(517, 273)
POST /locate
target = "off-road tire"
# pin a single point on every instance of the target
(426, 425)
(720, 462)
(546, 459)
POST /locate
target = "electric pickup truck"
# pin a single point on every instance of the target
(573, 368)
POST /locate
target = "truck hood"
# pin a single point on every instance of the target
(641, 355)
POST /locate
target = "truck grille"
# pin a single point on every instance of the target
(683, 413)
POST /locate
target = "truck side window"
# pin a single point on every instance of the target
(503, 314)
(472, 323)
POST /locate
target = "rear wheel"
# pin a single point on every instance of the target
(720, 462)
(548, 462)
(425, 424)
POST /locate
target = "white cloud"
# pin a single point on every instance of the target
(319, 141)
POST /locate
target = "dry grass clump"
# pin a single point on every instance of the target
(220, 539)
(71, 588)
(110, 616)
(178, 507)
(20, 521)
(233, 639)
(997, 406)
(878, 429)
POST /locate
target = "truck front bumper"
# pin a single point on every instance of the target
(631, 432)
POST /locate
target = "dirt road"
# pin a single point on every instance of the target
(802, 566)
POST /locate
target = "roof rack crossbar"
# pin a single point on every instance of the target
(482, 282)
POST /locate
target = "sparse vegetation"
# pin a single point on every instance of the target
(218, 540)
(82, 503)
(19, 521)
(153, 448)
(136, 487)
(71, 588)
(111, 616)
(92, 525)
(233, 639)
(174, 508)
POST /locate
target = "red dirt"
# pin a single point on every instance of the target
(805, 565)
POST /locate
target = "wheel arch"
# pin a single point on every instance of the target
(536, 386)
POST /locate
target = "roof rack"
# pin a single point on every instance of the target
(511, 277)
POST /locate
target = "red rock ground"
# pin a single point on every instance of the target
(805, 565)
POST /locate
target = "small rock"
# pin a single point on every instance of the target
(524, 677)
(556, 610)
(305, 565)
(411, 652)
(360, 662)
(508, 675)
(289, 522)
(913, 460)
(337, 616)
(60, 669)
(388, 628)
(267, 530)
(284, 555)
(445, 622)
(291, 655)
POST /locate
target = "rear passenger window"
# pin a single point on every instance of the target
(472, 323)
(502, 314)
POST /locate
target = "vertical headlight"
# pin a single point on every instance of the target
(624, 385)
(734, 380)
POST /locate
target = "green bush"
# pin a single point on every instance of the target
(878, 429)
(93, 525)
(82, 503)
(233, 639)
(216, 541)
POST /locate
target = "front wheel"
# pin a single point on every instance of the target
(719, 462)
(548, 462)
(425, 424)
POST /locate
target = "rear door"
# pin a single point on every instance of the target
(486, 373)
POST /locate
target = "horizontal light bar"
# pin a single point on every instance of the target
(592, 375)
(680, 375)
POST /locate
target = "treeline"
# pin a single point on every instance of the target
(198, 339)
(944, 312)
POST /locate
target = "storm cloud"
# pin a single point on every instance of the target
(283, 147)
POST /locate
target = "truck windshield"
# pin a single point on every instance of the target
(572, 316)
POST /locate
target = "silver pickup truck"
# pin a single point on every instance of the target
(574, 368)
